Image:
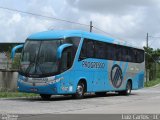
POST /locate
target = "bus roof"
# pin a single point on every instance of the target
(56, 34)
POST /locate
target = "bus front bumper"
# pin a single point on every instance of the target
(39, 88)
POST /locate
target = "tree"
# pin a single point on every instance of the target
(152, 58)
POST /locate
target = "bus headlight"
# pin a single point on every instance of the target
(55, 80)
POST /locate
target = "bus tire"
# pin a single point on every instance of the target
(128, 89)
(45, 96)
(100, 94)
(79, 91)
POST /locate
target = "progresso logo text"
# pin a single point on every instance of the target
(87, 64)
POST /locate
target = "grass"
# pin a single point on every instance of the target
(152, 83)
(16, 94)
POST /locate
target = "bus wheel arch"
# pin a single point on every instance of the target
(130, 80)
(128, 88)
(80, 89)
(85, 84)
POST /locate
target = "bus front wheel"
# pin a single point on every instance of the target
(79, 91)
(45, 96)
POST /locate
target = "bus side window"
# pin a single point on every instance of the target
(131, 54)
(128, 55)
(118, 52)
(87, 50)
(135, 53)
(110, 51)
(140, 56)
(90, 50)
(100, 51)
(83, 50)
(124, 54)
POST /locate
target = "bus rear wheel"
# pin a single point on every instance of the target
(79, 91)
(128, 89)
(45, 96)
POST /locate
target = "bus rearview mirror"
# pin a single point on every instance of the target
(13, 52)
(61, 48)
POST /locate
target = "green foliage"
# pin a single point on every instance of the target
(152, 55)
(152, 83)
(152, 58)
(16, 94)
(16, 62)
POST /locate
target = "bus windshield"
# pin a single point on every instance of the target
(39, 56)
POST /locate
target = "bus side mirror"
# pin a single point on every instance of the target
(13, 52)
(61, 48)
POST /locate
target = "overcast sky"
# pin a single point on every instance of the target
(128, 20)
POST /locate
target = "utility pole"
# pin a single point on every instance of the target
(147, 76)
(147, 41)
(91, 26)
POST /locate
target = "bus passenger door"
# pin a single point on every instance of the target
(66, 60)
(65, 64)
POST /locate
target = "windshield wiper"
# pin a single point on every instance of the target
(29, 67)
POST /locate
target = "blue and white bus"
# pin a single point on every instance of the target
(74, 62)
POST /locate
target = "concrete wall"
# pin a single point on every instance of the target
(8, 81)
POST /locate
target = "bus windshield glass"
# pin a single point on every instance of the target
(39, 56)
